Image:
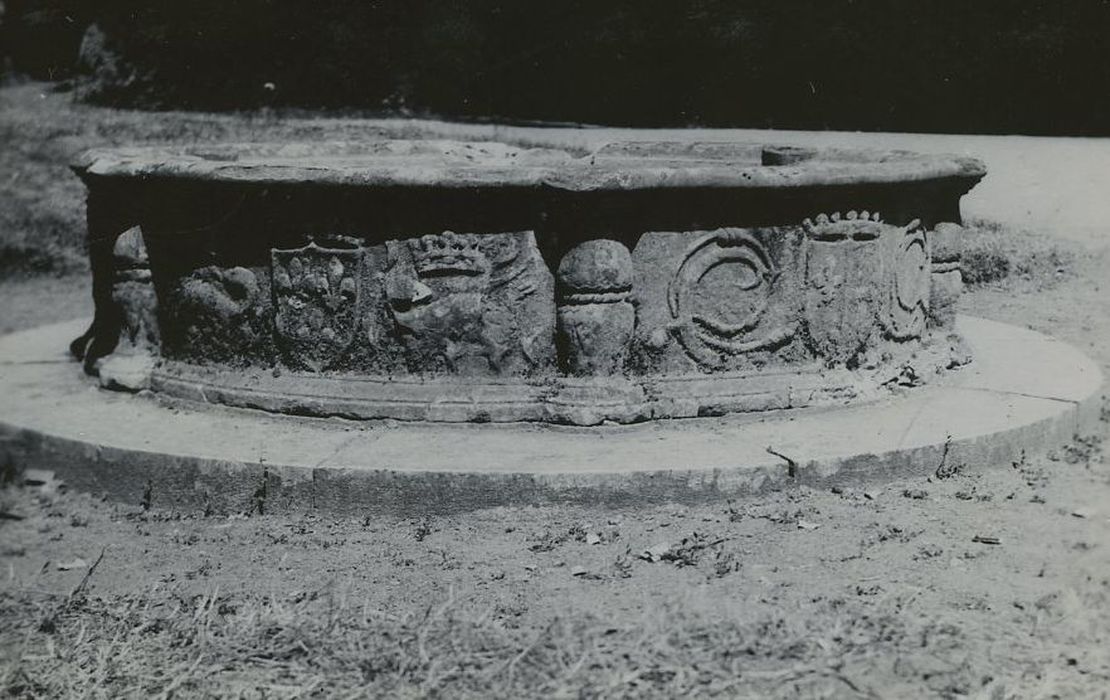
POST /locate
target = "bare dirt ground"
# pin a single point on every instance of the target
(986, 581)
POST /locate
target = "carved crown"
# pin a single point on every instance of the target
(447, 253)
(862, 225)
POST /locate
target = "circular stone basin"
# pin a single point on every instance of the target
(446, 281)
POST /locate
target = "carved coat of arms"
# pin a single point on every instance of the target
(315, 301)
(466, 300)
(841, 304)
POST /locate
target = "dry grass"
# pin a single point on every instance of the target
(993, 252)
(889, 598)
(324, 644)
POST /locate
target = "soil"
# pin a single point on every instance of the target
(986, 581)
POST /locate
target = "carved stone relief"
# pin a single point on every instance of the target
(843, 257)
(471, 304)
(719, 296)
(218, 314)
(908, 283)
(712, 300)
(595, 316)
(129, 365)
(315, 293)
(947, 278)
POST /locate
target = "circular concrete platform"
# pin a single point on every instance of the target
(1025, 392)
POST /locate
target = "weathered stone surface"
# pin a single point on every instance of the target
(414, 280)
(219, 315)
(470, 304)
(195, 457)
(594, 338)
(594, 267)
(595, 318)
(908, 268)
(947, 284)
(710, 300)
(843, 301)
(126, 372)
(650, 166)
(316, 294)
(135, 309)
(133, 294)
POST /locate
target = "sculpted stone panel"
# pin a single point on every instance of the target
(843, 259)
(836, 289)
(719, 296)
(724, 299)
(909, 270)
(947, 278)
(470, 304)
(129, 365)
(595, 317)
(316, 293)
(219, 314)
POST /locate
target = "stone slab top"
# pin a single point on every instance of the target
(618, 166)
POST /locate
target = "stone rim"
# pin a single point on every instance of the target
(621, 166)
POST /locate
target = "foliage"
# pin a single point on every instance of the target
(994, 66)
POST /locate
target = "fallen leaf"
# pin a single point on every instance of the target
(77, 563)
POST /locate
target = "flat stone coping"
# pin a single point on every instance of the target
(1024, 393)
(455, 164)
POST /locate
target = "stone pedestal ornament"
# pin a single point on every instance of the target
(946, 281)
(595, 316)
(131, 361)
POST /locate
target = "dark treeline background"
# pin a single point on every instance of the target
(985, 66)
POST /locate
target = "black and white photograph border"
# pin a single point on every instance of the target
(389, 350)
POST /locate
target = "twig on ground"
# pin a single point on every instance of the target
(791, 465)
(85, 579)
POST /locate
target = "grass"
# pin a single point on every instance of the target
(879, 595)
(993, 252)
(325, 644)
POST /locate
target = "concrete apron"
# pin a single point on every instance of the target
(1023, 394)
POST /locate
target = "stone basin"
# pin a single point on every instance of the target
(450, 281)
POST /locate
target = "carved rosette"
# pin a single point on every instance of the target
(843, 301)
(316, 294)
(907, 283)
(595, 318)
(719, 298)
